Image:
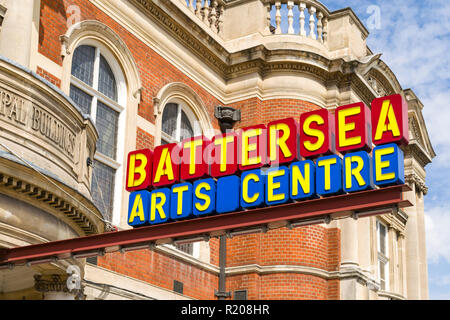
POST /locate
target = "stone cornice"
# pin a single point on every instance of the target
(44, 195)
(416, 151)
(257, 59)
(196, 39)
(397, 220)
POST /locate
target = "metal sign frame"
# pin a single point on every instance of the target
(365, 203)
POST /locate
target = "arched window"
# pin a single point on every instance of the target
(178, 123)
(94, 87)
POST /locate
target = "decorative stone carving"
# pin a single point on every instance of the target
(53, 282)
(415, 131)
(413, 178)
(56, 283)
(227, 117)
(376, 86)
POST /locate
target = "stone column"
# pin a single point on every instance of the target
(349, 236)
(423, 266)
(402, 262)
(17, 30)
(364, 245)
(412, 248)
(349, 259)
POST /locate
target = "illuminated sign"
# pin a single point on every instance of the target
(320, 155)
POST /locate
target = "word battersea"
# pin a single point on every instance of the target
(235, 163)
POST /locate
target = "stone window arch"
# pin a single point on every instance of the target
(101, 78)
(179, 114)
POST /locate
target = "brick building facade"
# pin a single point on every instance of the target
(132, 60)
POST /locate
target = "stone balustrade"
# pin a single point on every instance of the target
(210, 12)
(305, 18)
(236, 25)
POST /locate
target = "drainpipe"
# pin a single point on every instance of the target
(222, 294)
(227, 117)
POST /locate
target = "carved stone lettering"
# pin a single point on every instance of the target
(16, 110)
(53, 129)
(12, 107)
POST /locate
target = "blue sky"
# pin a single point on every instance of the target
(414, 38)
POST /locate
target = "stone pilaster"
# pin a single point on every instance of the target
(349, 258)
(349, 234)
(412, 249)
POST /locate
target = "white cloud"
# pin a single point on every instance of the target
(440, 281)
(437, 222)
(440, 295)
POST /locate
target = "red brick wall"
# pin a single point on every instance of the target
(254, 111)
(312, 246)
(161, 270)
(214, 251)
(292, 286)
(144, 140)
(284, 286)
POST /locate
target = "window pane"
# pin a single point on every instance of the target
(106, 123)
(382, 239)
(169, 119)
(186, 128)
(382, 267)
(106, 81)
(103, 188)
(82, 99)
(186, 247)
(83, 64)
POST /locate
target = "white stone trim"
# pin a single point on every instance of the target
(187, 258)
(145, 125)
(262, 270)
